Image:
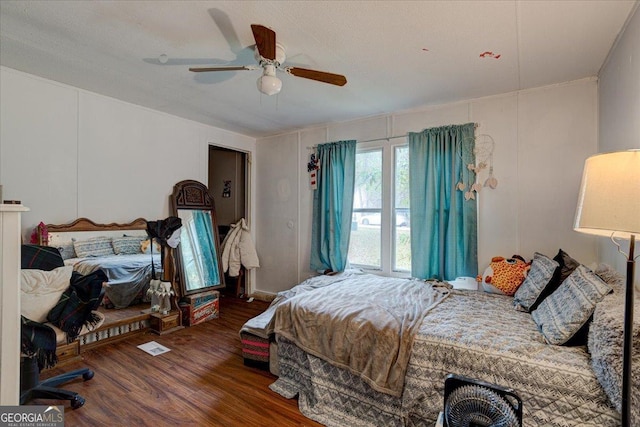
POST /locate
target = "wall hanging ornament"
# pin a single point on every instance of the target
(312, 169)
(226, 190)
(467, 173)
(483, 150)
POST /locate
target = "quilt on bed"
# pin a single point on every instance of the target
(556, 383)
(128, 274)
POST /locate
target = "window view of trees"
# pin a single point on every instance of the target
(368, 238)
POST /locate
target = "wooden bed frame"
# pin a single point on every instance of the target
(117, 325)
(85, 225)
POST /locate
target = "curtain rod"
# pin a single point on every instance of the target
(384, 139)
(313, 147)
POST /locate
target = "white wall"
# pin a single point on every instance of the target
(277, 207)
(619, 113)
(68, 153)
(542, 137)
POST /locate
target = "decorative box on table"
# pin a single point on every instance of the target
(198, 308)
(164, 323)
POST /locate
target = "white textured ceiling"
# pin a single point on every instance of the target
(396, 55)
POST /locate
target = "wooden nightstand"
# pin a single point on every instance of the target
(165, 323)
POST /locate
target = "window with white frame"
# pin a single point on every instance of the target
(381, 193)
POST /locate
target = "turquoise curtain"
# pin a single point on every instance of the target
(333, 206)
(204, 231)
(443, 224)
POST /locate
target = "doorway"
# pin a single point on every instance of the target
(228, 185)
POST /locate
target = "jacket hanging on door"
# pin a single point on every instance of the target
(238, 249)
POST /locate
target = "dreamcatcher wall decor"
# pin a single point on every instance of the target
(483, 150)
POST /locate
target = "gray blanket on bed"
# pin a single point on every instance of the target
(128, 274)
(367, 327)
(262, 325)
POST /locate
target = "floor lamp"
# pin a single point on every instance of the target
(609, 205)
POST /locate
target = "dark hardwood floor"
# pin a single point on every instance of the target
(202, 381)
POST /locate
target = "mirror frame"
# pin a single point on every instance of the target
(193, 195)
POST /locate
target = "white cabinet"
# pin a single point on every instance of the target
(10, 240)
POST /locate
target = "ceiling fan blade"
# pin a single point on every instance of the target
(206, 69)
(226, 28)
(321, 76)
(265, 41)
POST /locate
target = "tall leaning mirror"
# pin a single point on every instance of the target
(198, 254)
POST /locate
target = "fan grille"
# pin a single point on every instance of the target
(474, 405)
(471, 403)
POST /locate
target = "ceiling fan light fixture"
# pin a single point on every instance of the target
(270, 56)
(269, 85)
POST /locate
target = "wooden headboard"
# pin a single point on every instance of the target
(85, 228)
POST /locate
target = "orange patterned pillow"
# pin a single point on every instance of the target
(504, 275)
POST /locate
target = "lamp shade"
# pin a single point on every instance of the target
(609, 198)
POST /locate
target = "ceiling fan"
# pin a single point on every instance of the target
(270, 56)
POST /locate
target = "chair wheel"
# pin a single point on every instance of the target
(77, 402)
(88, 375)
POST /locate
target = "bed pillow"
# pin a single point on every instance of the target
(67, 251)
(41, 290)
(567, 265)
(564, 270)
(97, 246)
(612, 278)
(528, 294)
(567, 310)
(127, 245)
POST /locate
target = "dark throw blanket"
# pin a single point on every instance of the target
(72, 311)
(39, 341)
(36, 257)
(76, 304)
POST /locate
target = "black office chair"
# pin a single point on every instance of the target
(40, 340)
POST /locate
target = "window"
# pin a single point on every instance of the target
(402, 237)
(365, 240)
(381, 193)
